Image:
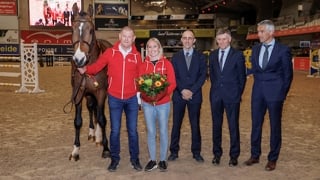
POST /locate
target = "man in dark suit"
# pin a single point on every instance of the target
(228, 78)
(190, 70)
(273, 72)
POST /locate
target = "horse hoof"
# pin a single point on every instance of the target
(75, 157)
(106, 154)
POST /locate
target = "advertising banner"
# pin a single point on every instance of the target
(57, 41)
(315, 62)
(46, 37)
(104, 9)
(9, 42)
(8, 7)
(301, 63)
(111, 15)
(110, 23)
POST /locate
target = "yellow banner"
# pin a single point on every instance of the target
(141, 33)
(204, 32)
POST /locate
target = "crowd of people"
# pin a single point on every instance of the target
(186, 74)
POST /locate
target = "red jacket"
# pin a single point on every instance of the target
(163, 66)
(122, 72)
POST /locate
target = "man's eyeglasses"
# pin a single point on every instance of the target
(187, 38)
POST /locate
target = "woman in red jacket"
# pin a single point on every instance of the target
(155, 62)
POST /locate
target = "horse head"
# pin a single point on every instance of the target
(83, 36)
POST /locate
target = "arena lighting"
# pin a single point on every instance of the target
(213, 5)
(158, 3)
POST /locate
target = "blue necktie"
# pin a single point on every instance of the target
(265, 57)
(221, 60)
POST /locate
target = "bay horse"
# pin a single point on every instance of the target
(86, 51)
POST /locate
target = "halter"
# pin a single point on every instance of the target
(91, 44)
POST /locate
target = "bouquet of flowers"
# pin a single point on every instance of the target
(152, 87)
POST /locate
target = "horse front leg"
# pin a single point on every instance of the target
(77, 124)
(91, 106)
(102, 123)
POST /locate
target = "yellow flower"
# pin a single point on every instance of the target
(152, 84)
(141, 81)
(158, 83)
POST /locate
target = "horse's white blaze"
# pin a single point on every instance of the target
(98, 133)
(75, 150)
(79, 55)
(80, 28)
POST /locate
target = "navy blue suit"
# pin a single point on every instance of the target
(192, 79)
(225, 94)
(269, 91)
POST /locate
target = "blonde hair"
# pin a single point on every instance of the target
(153, 39)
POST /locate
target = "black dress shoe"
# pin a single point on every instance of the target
(113, 165)
(271, 165)
(173, 157)
(233, 162)
(136, 165)
(216, 160)
(198, 158)
(251, 161)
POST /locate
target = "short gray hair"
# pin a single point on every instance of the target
(223, 31)
(268, 23)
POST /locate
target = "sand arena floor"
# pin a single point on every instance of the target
(37, 138)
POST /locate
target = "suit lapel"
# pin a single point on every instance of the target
(216, 64)
(190, 62)
(228, 61)
(271, 59)
(274, 51)
(257, 56)
(183, 61)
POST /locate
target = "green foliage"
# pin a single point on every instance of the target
(152, 84)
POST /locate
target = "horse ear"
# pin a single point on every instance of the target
(90, 10)
(75, 9)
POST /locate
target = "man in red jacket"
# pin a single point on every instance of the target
(122, 61)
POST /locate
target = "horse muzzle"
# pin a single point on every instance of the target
(80, 62)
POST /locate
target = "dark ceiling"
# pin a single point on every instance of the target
(248, 9)
(227, 6)
(219, 5)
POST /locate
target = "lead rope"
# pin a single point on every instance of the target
(74, 94)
